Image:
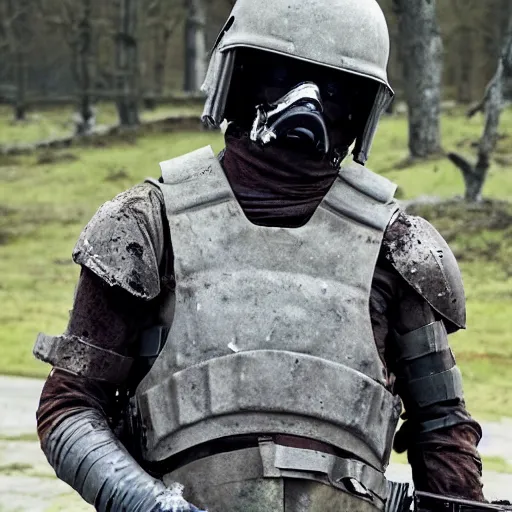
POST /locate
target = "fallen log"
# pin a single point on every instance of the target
(104, 134)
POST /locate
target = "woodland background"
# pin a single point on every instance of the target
(44, 43)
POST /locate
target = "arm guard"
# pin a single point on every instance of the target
(86, 454)
(426, 371)
(80, 357)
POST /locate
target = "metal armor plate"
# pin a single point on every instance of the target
(272, 331)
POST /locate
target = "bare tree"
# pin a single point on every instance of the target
(16, 32)
(468, 44)
(421, 48)
(74, 21)
(82, 65)
(494, 102)
(495, 47)
(127, 65)
(467, 59)
(195, 45)
(162, 19)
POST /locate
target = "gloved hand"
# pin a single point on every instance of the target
(171, 500)
(185, 507)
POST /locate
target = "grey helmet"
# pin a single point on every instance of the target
(347, 35)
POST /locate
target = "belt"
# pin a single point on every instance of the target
(239, 443)
(271, 460)
(347, 474)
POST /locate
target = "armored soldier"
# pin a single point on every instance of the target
(261, 315)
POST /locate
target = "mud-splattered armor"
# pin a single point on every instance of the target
(259, 315)
(244, 328)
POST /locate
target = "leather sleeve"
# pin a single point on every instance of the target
(108, 317)
(444, 461)
(107, 312)
(77, 415)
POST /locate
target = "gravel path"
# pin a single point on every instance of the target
(28, 484)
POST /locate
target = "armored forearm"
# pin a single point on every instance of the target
(440, 436)
(86, 454)
(427, 373)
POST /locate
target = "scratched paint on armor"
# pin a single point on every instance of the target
(268, 319)
(423, 258)
(354, 33)
(261, 288)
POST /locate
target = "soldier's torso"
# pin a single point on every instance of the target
(271, 331)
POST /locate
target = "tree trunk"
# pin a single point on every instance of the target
(127, 64)
(466, 65)
(17, 10)
(421, 48)
(163, 18)
(475, 176)
(20, 104)
(506, 15)
(160, 60)
(86, 114)
(160, 46)
(195, 45)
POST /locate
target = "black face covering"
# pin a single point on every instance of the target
(275, 186)
(282, 184)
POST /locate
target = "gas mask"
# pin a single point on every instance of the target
(296, 119)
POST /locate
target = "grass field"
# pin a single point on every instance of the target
(53, 122)
(43, 208)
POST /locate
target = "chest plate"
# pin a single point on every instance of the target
(264, 315)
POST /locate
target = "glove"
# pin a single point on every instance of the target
(171, 500)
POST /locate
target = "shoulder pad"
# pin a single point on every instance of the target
(423, 258)
(369, 183)
(123, 243)
(188, 166)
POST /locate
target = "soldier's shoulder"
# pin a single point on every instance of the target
(423, 258)
(123, 241)
(142, 196)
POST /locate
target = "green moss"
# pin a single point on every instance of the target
(498, 464)
(399, 458)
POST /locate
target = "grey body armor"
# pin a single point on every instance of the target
(271, 331)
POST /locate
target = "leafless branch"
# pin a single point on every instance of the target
(477, 107)
(493, 103)
(465, 166)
